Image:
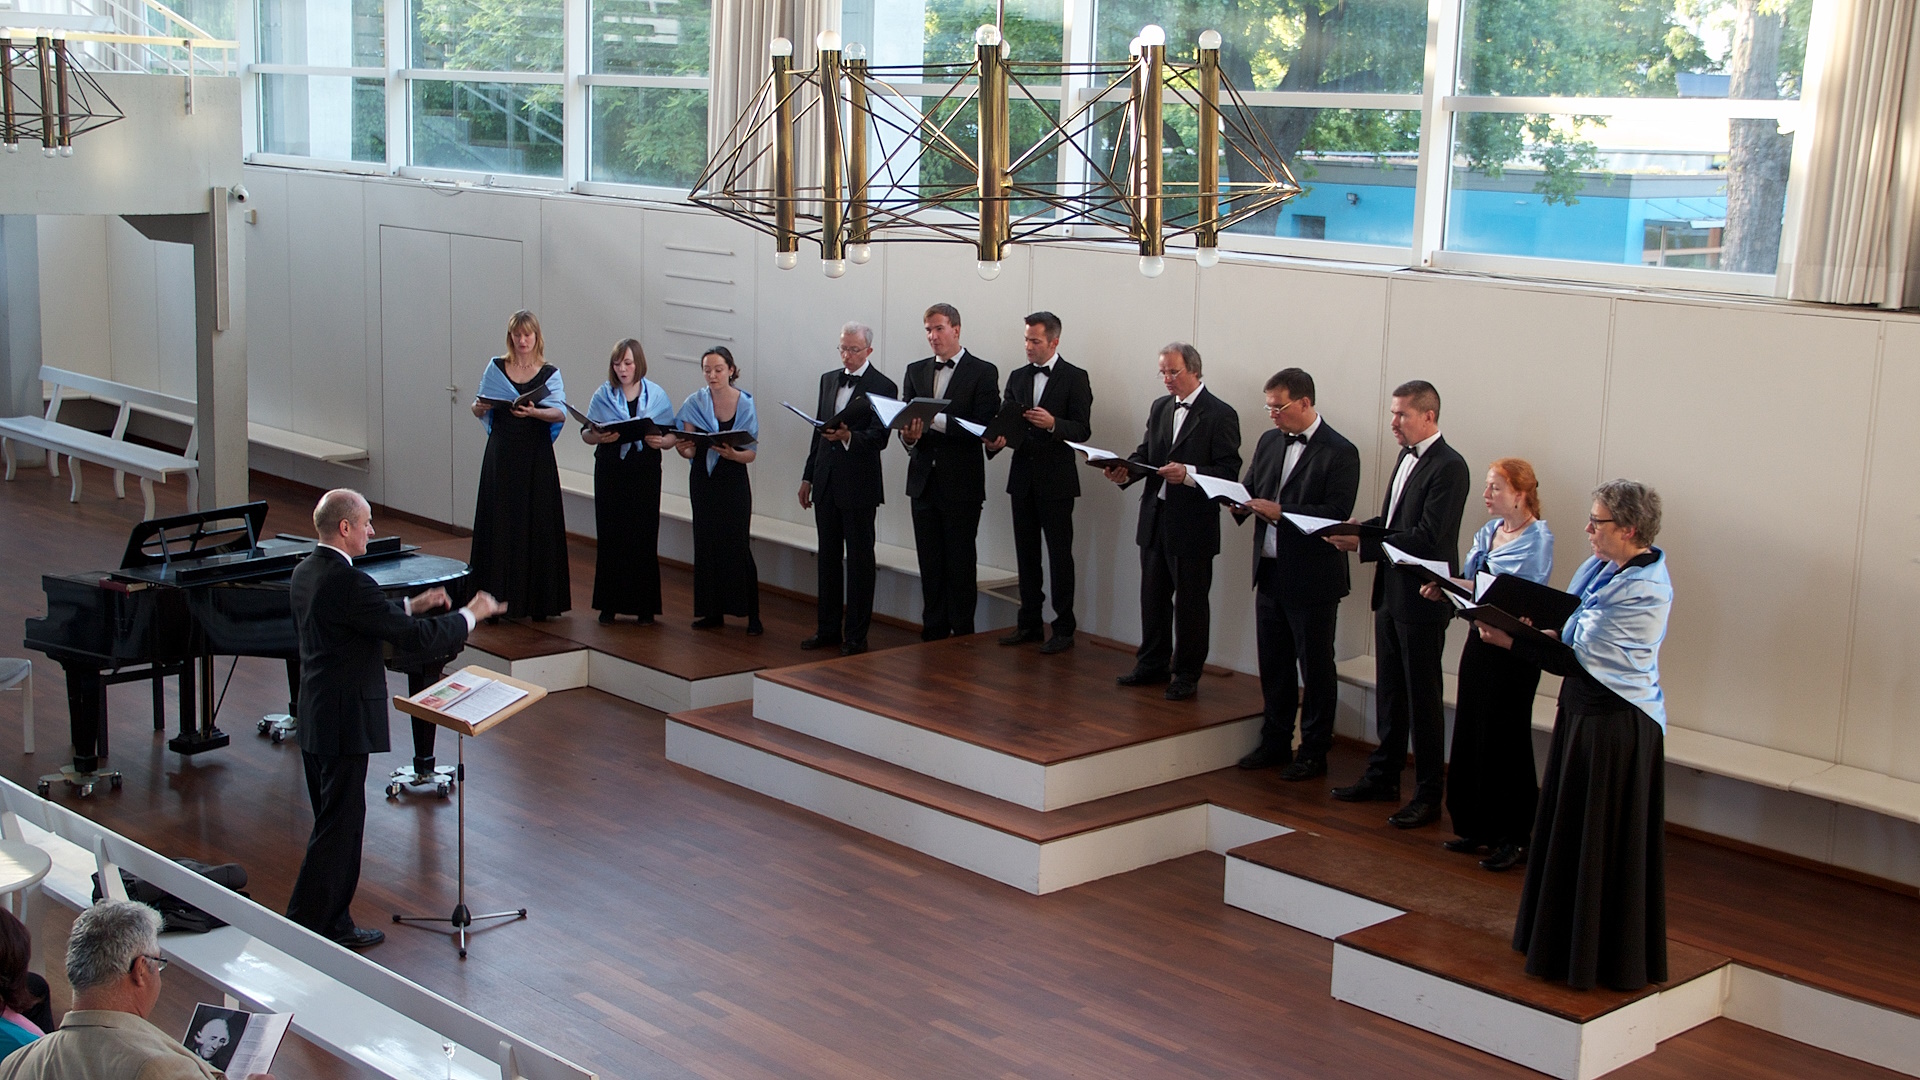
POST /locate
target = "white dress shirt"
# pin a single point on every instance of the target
(1405, 469)
(941, 377)
(845, 393)
(1271, 547)
(406, 605)
(1179, 421)
(1040, 380)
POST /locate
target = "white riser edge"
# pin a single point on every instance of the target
(1300, 903)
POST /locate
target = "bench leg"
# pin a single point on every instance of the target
(120, 485)
(6, 445)
(146, 492)
(53, 465)
(73, 466)
(26, 713)
(193, 491)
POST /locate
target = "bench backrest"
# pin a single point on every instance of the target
(130, 398)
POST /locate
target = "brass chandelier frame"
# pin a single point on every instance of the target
(44, 96)
(853, 202)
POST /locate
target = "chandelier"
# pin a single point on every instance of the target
(839, 155)
(44, 96)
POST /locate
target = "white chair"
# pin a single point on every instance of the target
(18, 675)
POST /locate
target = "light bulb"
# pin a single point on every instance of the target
(1152, 266)
(988, 34)
(1206, 256)
(1151, 35)
(48, 151)
(858, 254)
(1133, 47)
(13, 148)
(66, 151)
(1210, 39)
(856, 51)
(828, 41)
(834, 268)
(786, 260)
(989, 269)
(780, 47)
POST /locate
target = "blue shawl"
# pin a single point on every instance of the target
(609, 406)
(1617, 630)
(1529, 555)
(495, 384)
(698, 411)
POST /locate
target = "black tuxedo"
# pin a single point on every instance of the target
(343, 619)
(1410, 631)
(1044, 480)
(1180, 534)
(847, 490)
(1297, 605)
(947, 481)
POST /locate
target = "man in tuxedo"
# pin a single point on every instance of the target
(1424, 501)
(947, 474)
(1044, 478)
(1188, 431)
(1302, 466)
(342, 619)
(842, 486)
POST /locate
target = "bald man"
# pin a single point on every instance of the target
(343, 618)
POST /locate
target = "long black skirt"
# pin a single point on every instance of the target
(1491, 789)
(725, 580)
(519, 524)
(626, 518)
(1593, 910)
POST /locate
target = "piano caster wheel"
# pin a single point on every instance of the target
(86, 789)
(262, 727)
(45, 789)
(443, 790)
(393, 791)
(115, 782)
(277, 736)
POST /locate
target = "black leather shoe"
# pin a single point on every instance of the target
(819, 641)
(852, 648)
(754, 629)
(1021, 637)
(713, 622)
(606, 618)
(1057, 644)
(1137, 677)
(1266, 757)
(1505, 857)
(1304, 769)
(1366, 792)
(1464, 845)
(1182, 689)
(1414, 815)
(365, 937)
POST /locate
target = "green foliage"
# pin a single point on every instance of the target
(1030, 38)
(369, 120)
(487, 35)
(649, 136)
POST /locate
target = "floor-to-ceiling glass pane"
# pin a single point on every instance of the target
(331, 117)
(487, 127)
(650, 37)
(648, 135)
(487, 35)
(322, 33)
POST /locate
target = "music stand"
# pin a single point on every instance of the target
(462, 919)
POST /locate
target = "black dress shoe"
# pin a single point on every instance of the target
(754, 629)
(1505, 857)
(643, 620)
(1182, 689)
(1304, 769)
(1415, 814)
(606, 618)
(365, 937)
(714, 622)
(1057, 644)
(1266, 757)
(1464, 845)
(1137, 677)
(852, 648)
(1367, 792)
(1021, 637)
(820, 641)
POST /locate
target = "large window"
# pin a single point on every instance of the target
(1619, 139)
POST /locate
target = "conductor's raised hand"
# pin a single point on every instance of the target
(432, 600)
(483, 606)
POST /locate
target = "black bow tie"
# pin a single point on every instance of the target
(849, 379)
(944, 364)
(1183, 405)
(1291, 439)
(1408, 452)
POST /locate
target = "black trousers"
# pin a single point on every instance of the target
(1175, 613)
(945, 535)
(845, 534)
(1035, 516)
(1295, 643)
(1407, 697)
(330, 872)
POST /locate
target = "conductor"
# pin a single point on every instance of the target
(343, 618)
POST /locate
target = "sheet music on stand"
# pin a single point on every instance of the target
(467, 697)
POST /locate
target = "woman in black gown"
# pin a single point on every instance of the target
(519, 525)
(626, 488)
(725, 581)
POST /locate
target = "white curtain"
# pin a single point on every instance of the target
(1859, 234)
(742, 32)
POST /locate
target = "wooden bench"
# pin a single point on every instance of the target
(340, 1001)
(306, 446)
(1719, 755)
(111, 451)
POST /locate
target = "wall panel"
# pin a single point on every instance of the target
(270, 349)
(75, 294)
(328, 356)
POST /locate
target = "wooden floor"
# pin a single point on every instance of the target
(683, 927)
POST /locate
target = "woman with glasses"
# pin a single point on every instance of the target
(1491, 789)
(725, 580)
(1593, 909)
(519, 525)
(626, 487)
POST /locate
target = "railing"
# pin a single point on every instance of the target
(131, 36)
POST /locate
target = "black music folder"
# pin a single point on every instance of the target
(629, 430)
(1319, 526)
(708, 439)
(1100, 459)
(899, 414)
(840, 419)
(532, 397)
(1543, 605)
(1010, 423)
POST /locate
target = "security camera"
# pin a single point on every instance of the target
(239, 193)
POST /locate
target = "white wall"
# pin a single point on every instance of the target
(1780, 435)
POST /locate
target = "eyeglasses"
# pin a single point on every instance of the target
(157, 963)
(849, 350)
(1594, 522)
(1276, 410)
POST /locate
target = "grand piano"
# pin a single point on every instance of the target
(190, 588)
